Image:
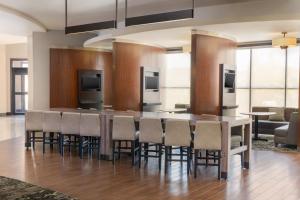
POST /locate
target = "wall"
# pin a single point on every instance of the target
(8, 52)
(128, 58)
(3, 77)
(64, 64)
(208, 52)
(39, 67)
(13, 51)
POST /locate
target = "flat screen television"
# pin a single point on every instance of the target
(230, 80)
(91, 83)
(151, 83)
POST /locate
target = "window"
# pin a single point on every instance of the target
(175, 80)
(267, 77)
(292, 93)
(243, 79)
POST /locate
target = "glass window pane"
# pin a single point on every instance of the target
(24, 64)
(293, 67)
(268, 97)
(178, 70)
(292, 96)
(26, 101)
(175, 80)
(20, 64)
(243, 100)
(26, 83)
(172, 96)
(243, 68)
(268, 68)
(18, 83)
(18, 103)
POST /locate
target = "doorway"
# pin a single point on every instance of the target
(19, 86)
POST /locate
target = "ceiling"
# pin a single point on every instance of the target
(51, 13)
(240, 32)
(244, 20)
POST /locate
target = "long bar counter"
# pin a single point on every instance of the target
(227, 124)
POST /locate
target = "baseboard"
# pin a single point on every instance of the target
(5, 114)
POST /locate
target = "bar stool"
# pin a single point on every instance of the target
(33, 124)
(70, 126)
(150, 132)
(177, 133)
(207, 136)
(90, 134)
(124, 131)
(51, 126)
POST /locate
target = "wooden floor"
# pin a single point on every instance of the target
(272, 175)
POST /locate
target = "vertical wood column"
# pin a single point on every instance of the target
(208, 52)
(64, 64)
(128, 59)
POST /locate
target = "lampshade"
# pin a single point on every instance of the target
(284, 42)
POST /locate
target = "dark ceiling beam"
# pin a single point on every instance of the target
(91, 26)
(160, 17)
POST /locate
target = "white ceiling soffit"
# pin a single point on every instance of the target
(17, 23)
(178, 37)
(213, 15)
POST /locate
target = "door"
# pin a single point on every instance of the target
(19, 86)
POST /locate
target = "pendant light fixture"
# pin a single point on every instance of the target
(284, 42)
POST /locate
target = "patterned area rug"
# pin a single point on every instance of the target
(270, 146)
(11, 189)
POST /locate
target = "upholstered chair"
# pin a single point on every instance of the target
(288, 134)
(237, 138)
(51, 126)
(90, 137)
(151, 132)
(33, 125)
(207, 136)
(177, 133)
(124, 130)
(70, 126)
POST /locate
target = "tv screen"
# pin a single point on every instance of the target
(151, 83)
(91, 83)
(229, 80)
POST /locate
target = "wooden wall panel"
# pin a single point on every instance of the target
(64, 64)
(128, 58)
(207, 53)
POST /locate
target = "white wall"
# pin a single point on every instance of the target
(39, 63)
(8, 52)
(2, 80)
(13, 51)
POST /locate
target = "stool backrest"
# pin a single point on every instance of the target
(90, 125)
(34, 120)
(178, 133)
(70, 123)
(208, 135)
(151, 130)
(123, 128)
(52, 121)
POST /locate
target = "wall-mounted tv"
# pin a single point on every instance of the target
(91, 83)
(151, 83)
(229, 80)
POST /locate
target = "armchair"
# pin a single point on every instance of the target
(287, 134)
